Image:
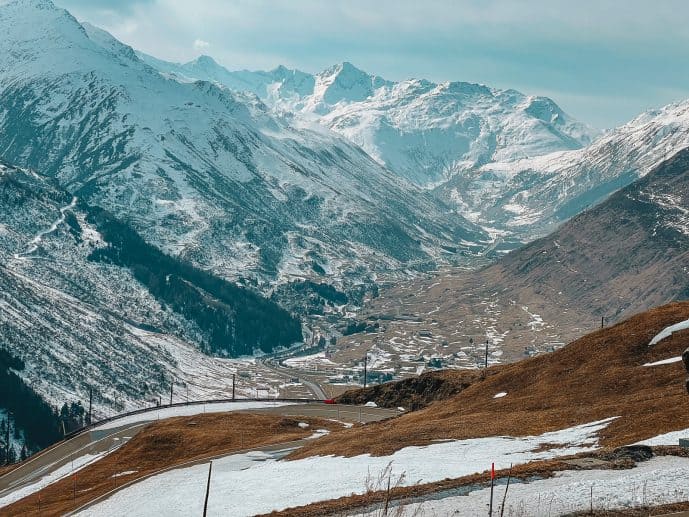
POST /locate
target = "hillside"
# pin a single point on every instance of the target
(86, 304)
(532, 196)
(554, 422)
(606, 374)
(625, 255)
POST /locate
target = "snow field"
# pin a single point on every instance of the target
(660, 480)
(243, 484)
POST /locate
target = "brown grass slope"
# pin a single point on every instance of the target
(413, 393)
(595, 377)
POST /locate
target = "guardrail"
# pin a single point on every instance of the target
(182, 404)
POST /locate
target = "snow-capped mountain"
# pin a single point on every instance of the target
(204, 173)
(529, 197)
(424, 132)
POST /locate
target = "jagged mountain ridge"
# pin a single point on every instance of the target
(515, 165)
(533, 196)
(423, 131)
(202, 172)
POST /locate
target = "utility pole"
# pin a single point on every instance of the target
(233, 379)
(7, 443)
(90, 405)
(602, 321)
(172, 383)
(365, 367)
(486, 362)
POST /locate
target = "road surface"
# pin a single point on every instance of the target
(103, 438)
(289, 373)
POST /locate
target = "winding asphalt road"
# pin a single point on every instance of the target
(102, 439)
(287, 374)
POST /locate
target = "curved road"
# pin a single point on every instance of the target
(288, 374)
(104, 438)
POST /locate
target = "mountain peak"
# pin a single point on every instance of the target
(204, 60)
(345, 82)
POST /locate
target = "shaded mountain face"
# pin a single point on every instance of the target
(626, 255)
(205, 174)
(86, 303)
(422, 131)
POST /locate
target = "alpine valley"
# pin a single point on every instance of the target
(167, 227)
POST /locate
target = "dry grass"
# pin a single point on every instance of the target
(164, 444)
(416, 392)
(595, 377)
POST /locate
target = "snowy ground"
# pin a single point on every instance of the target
(241, 485)
(190, 410)
(661, 480)
(66, 470)
(668, 331)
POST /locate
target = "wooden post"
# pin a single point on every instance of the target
(233, 385)
(208, 489)
(486, 363)
(492, 484)
(602, 321)
(171, 386)
(504, 497)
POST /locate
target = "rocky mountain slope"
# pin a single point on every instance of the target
(626, 255)
(423, 131)
(531, 197)
(80, 314)
(205, 174)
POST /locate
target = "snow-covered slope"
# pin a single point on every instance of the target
(204, 173)
(423, 131)
(79, 323)
(529, 197)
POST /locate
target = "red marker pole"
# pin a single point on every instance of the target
(492, 483)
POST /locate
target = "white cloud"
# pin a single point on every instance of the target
(200, 44)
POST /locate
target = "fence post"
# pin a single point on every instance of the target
(208, 489)
(492, 484)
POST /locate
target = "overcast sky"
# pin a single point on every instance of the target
(603, 61)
